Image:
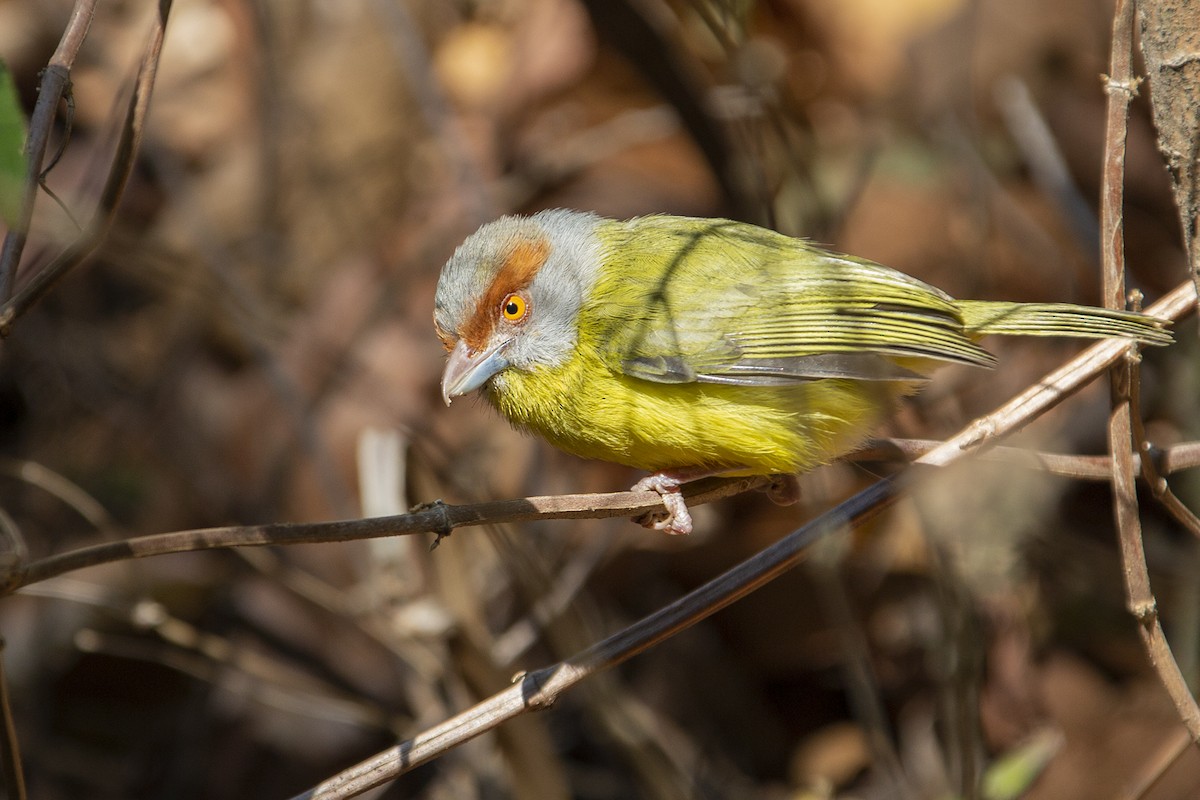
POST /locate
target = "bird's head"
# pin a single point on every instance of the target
(510, 295)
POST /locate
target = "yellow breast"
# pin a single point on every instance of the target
(586, 409)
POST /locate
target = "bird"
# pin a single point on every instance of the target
(690, 347)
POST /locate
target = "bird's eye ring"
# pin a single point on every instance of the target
(514, 308)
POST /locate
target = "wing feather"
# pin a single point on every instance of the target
(723, 302)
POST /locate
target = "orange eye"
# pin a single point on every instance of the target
(515, 308)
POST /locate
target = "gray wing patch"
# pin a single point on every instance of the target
(771, 371)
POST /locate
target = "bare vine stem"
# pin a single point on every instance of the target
(1121, 86)
(438, 518)
(55, 84)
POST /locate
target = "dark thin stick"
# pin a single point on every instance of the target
(56, 82)
(1121, 86)
(58, 486)
(863, 692)
(439, 518)
(10, 749)
(110, 195)
(1148, 467)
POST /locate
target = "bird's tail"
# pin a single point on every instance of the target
(984, 317)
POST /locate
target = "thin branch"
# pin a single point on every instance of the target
(1166, 460)
(10, 750)
(863, 692)
(13, 551)
(1168, 754)
(539, 689)
(439, 518)
(110, 196)
(1148, 467)
(1121, 86)
(56, 82)
(57, 485)
(1057, 385)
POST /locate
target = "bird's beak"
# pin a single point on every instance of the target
(466, 371)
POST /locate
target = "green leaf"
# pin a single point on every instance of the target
(12, 147)
(1014, 773)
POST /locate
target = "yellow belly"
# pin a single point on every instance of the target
(586, 409)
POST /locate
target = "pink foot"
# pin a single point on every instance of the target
(678, 520)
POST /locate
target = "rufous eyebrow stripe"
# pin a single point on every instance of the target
(516, 273)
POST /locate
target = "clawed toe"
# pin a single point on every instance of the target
(675, 519)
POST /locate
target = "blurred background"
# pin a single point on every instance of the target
(253, 343)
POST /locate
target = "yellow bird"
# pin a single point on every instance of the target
(692, 347)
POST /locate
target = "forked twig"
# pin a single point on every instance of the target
(128, 143)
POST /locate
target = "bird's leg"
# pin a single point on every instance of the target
(678, 520)
(784, 491)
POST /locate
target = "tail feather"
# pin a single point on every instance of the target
(983, 317)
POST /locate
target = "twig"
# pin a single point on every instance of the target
(53, 483)
(56, 82)
(10, 749)
(1120, 86)
(1167, 460)
(110, 196)
(1147, 466)
(1047, 165)
(1056, 386)
(442, 518)
(863, 692)
(1164, 759)
(539, 689)
(439, 518)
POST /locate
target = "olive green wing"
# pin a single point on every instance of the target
(684, 300)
